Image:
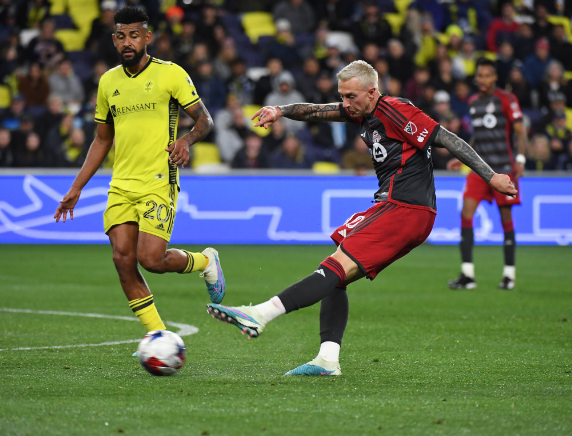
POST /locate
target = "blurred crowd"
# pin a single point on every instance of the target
(424, 50)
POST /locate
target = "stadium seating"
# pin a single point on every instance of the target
(258, 24)
(205, 153)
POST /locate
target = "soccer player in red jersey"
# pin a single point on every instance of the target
(495, 116)
(400, 137)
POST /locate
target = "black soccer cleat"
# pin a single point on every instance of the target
(463, 282)
(506, 284)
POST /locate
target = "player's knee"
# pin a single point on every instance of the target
(151, 263)
(124, 261)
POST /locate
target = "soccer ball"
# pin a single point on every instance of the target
(162, 352)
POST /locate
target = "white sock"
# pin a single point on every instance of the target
(468, 269)
(509, 271)
(271, 309)
(330, 351)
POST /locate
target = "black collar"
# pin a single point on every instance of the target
(132, 76)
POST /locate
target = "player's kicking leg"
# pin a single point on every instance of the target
(466, 279)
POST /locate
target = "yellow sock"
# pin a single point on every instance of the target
(197, 262)
(147, 313)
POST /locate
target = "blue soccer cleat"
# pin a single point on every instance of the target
(318, 366)
(213, 276)
(246, 318)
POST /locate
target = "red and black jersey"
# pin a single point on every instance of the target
(492, 117)
(399, 137)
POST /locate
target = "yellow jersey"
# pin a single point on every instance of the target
(144, 108)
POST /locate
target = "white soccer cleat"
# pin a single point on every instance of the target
(318, 366)
(213, 276)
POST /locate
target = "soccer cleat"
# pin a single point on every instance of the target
(318, 366)
(246, 318)
(213, 276)
(463, 282)
(506, 284)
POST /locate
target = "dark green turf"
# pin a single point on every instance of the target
(418, 359)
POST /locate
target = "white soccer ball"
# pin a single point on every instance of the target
(162, 352)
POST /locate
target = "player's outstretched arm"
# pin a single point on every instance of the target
(179, 150)
(97, 153)
(465, 153)
(300, 112)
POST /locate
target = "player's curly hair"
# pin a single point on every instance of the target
(367, 75)
(130, 15)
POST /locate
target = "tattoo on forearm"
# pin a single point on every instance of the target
(463, 151)
(312, 112)
(203, 124)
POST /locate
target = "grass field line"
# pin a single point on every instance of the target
(184, 329)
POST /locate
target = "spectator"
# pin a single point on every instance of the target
(553, 81)
(100, 40)
(358, 158)
(444, 80)
(382, 68)
(560, 47)
(65, 84)
(394, 87)
(410, 33)
(299, 14)
(536, 63)
(523, 42)
(90, 85)
(565, 161)
(55, 142)
(221, 65)
(230, 128)
(469, 15)
(414, 87)
(238, 83)
(541, 27)
(45, 48)
(518, 85)
(29, 14)
(292, 155)
(460, 99)
(284, 46)
(185, 42)
(265, 84)
(502, 28)
(371, 27)
(30, 155)
(503, 64)
(211, 89)
(326, 91)
(307, 82)
(557, 102)
(333, 62)
(277, 135)
(433, 8)
(539, 157)
(442, 105)
(336, 14)
(34, 86)
(559, 136)
(163, 49)
(425, 102)
(465, 62)
(174, 16)
(252, 155)
(6, 154)
(371, 52)
(199, 55)
(75, 148)
(428, 45)
(52, 117)
(400, 64)
(208, 27)
(455, 36)
(12, 117)
(284, 93)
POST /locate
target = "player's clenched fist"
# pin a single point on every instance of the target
(503, 184)
(266, 116)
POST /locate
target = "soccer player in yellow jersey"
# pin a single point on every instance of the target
(138, 104)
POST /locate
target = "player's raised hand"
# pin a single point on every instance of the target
(179, 152)
(503, 184)
(266, 116)
(67, 204)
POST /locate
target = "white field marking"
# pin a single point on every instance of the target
(184, 329)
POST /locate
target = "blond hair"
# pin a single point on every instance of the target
(366, 73)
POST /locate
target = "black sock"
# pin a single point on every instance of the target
(509, 248)
(467, 241)
(313, 288)
(334, 312)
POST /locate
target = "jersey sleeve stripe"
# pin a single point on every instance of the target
(398, 123)
(191, 103)
(99, 120)
(394, 111)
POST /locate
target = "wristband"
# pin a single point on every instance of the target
(520, 158)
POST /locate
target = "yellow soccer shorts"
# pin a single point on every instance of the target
(154, 212)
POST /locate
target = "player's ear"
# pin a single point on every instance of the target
(148, 37)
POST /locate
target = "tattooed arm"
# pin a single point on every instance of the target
(300, 112)
(465, 153)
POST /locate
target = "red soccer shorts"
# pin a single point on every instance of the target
(376, 238)
(477, 189)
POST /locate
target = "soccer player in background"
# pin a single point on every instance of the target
(400, 137)
(138, 104)
(495, 115)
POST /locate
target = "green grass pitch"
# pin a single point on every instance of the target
(418, 359)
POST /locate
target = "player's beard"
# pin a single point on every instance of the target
(134, 60)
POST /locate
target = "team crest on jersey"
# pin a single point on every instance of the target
(410, 128)
(148, 86)
(376, 136)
